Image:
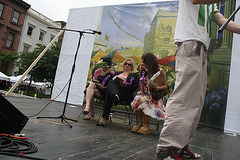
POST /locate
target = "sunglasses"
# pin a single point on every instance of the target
(129, 64)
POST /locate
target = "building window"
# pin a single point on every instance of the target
(10, 40)
(26, 48)
(15, 17)
(30, 30)
(1, 9)
(41, 35)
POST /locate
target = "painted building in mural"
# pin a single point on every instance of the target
(98, 44)
(219, 61)
(160, 39)
(220, 57)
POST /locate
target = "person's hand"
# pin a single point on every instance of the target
(103, 86)
(99, 84)
(153, 86)
(124, 84)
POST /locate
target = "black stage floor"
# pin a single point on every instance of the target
(55, 140)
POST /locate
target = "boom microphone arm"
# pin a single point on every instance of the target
(92, 31)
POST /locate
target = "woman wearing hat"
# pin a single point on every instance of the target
(97, 87)
(120, 90)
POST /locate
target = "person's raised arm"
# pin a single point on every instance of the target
(206, 1)
(220, 20)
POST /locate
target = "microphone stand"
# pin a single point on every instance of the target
(220, 30)
(63, 117)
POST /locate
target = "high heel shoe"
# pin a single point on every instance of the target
(85, 111)
(101, 123)
(89, 116)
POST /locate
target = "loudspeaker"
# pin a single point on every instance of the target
(11, 119)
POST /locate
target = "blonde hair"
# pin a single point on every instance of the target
(129, 59)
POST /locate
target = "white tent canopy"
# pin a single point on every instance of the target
(4, 77)
(16, 78)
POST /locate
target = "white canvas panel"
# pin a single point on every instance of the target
(78, 19)
(232, 119)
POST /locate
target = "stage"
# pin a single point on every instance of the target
(86, 141)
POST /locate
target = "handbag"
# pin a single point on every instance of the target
(159, 93)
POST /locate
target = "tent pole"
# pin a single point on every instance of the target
(34, 62)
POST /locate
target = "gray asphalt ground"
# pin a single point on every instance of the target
(56, 140)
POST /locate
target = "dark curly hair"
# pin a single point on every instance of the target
(150, 60)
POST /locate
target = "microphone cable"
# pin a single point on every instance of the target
(17, 146)
(50, 101)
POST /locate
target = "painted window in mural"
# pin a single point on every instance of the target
(131, 30)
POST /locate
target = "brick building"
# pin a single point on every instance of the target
(12, 16)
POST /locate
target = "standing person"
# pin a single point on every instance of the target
(183, 109)
(120, 89)
(98, 86)
(144, 103)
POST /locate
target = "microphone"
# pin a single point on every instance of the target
(53, 27)
(98, 32)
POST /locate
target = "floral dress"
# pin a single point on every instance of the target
(147, 104)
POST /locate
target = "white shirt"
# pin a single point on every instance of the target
(188, 26)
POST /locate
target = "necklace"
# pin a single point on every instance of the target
(104, 72)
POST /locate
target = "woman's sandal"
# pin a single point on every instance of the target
(144, 131)
(89, 116)
(135, 128)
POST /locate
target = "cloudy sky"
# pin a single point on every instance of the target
(58, 10)
(126, 25)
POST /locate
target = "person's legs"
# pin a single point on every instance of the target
(139, 121)
(91, 111)
(106, 109)
(145, 129)
(91, 105)
(183, 106)
(203, 87)
(89, 97)
(113, 88)
(146, 121)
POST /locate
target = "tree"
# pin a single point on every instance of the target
(7, 61)
(45, 69)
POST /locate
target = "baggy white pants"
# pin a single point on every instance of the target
(185, 104)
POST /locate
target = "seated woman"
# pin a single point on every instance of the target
(145, 103)
(98, 86)
(121, 88)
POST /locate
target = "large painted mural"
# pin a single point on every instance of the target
(131, 30)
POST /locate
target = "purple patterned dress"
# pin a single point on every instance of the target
(147, 104)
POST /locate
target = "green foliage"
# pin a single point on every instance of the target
(216, 100)
(7, 61)
(45, 69)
